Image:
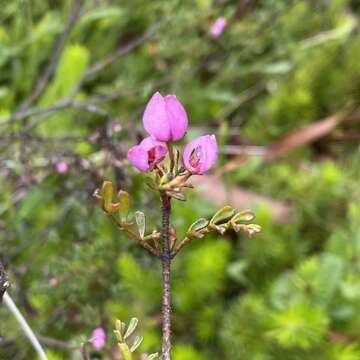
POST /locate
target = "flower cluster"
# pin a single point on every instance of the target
(166, 121)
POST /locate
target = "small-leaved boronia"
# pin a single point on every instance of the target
(166, 121)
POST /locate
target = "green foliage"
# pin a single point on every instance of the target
(186, 352)
(301, 325)
(290, 293)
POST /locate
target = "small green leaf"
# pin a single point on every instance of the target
(125, 203)
(243, 216)
(199, 224)
(125, 351)
(223, 215)
(118, 325)
(118, 336)
(131, 328)
(106, 192)
(137, 341)
(151, 183)
(176, 195)
(153, 356)
(140, 221)
(118, 331)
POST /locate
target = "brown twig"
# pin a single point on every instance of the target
(120, 51)
(243, 6)
(181, 245)
(61, 105)
(133, 235)
(84, 353)
(55, 343)
(166, 268)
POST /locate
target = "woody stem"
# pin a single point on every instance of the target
(166, 267)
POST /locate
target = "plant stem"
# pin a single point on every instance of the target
(25, 327)
(171, 156)
(143, 242)
(166, 267)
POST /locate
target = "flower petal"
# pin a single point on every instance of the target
(188, 150)
(210, 153)
(160, 148)
(139, 157)
(177, 117)
(155, 118)
(206, 152)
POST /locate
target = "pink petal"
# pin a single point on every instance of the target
(155, 118)
(209, 153)
(139, 158)
(207, 149)
(177, 117)
(160, 148)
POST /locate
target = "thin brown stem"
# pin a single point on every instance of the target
(181, 245)
(166, 268)
(84, 353)
(133, 235)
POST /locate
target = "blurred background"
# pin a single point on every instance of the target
(277, 81)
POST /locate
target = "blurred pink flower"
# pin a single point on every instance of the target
(53, 281)
(218, 27)
(62, 167)
(98, 338)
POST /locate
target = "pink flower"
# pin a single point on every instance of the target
(218, 27)
(62, 167)
(201, 154)
(98, 338)
(165, 118)
(148, 153)
(53, 281)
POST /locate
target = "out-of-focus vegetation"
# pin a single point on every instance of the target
(292, 292)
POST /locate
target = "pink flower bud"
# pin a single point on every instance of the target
(165, 118)
(148, 153)
(62, 167)
(98, 338)
(201, 154)
(218, 27)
